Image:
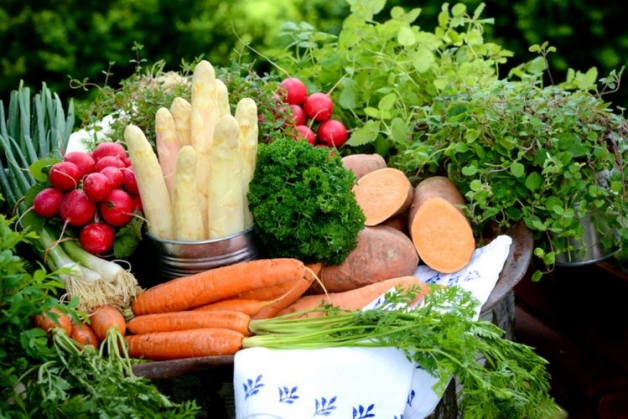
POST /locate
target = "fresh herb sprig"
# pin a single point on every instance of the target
(303, 203)
(498, 377)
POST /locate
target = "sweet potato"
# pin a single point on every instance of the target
(381, 253)
(357, 298)
(438, 227)
(362, 164)
(383, 194)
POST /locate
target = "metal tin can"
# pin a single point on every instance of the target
(182, 258)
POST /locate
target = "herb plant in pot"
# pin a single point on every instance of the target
(549, 156)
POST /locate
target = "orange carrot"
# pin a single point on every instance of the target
(189, 292)
(84, 334)
(288, 298)
(244, 305)
(184, 344)
(315, 268)
(438, 227)
(354, 299)
(383, 194)
(186, 320)
(271, 292)
(53, 319)
(105, 318)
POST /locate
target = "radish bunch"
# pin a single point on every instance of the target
(312, 114)
(96, 193)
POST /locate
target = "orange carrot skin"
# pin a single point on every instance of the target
(270, 292)
(288, 298)
(105, 317)
(354, 299)
(180, 344)
(84, 334)
(189, 292)
(186, 320)
(46, 322)
(243, 305)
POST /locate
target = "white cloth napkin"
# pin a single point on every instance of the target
(354, 383)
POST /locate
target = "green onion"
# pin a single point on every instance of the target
(498, 377)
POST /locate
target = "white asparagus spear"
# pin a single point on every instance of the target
(185, 203)
(226, 202)
(246, 115)
(156, 202)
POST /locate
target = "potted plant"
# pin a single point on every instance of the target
(550, 156)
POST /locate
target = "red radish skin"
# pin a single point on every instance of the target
(97, 238)
(117, 208)
(82, 159)
(109, 161)
(96, 186)
(109, 149)
(64, 176)
(318, 106)
(129, 182)
(47, 202)
(137, 203)
(76, 208)
(305, 132)
(293, 91)
(115, 175)
(332, 132)
(298, 115)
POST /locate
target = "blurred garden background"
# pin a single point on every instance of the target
(57, 41)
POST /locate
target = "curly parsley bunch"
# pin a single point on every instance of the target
(302, 202)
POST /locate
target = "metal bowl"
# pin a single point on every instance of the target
(182, 258)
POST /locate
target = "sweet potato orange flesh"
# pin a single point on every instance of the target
(439, 229)
(383, 194)
(381, 253)
(361, 164)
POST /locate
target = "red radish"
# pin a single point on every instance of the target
(318, 106)
(96, 186)
(137, 203)
(305, 132)
(97, 238)
(115, 175)
(298, 115)
(64, 175)
(293, 91)
(332, 132)
(76, 208)
(127, 161)
(109, 161)
(82, 159)
(117, 208)
(47, 202)
(129, 181)
(108, 149)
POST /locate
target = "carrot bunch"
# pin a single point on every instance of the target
(208, 313)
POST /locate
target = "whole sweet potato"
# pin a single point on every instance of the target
(382, 253)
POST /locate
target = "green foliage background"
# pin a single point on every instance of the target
(52, 41)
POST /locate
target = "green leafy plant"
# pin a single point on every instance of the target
(521, 151)
(382, 72)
